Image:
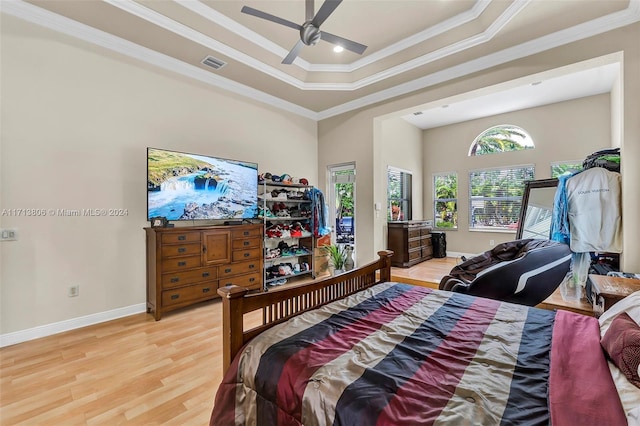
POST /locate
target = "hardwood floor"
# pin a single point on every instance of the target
(133, 370)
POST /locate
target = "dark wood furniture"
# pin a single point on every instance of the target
(281, 304)
(609, 290)
(410, 242)
(187, 265)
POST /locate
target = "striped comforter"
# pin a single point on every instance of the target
(397, 354)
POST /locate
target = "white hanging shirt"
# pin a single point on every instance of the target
(595, 211)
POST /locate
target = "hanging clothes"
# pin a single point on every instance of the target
(320, 213)
(595, 211)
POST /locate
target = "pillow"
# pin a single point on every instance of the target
(622, 343)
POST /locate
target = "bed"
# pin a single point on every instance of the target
(357, 349)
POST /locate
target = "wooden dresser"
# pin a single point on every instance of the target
(187, 265)
(410, 242)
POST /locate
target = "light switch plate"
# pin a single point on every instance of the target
(8, 234)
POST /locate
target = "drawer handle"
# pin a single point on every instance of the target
(252, 266)
(175, 296)
(228, 284)
(205, 274)
(246, 243)
(246, 233)
(182, 250)
(226, 271)
(251, 280)
(247, 254)
(182, 263)
(206, 290)
(175, 279)
(182, 237)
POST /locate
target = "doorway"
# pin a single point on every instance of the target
(342, 205)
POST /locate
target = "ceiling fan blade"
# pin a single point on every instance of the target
(293, 53)
(269, 17)
(347, 44)
(326, 9)
(308, 10)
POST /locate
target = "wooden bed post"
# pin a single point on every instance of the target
(385, 271)
(232, 318)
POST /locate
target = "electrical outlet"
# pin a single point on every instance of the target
(9, 235)
(73, 290)
(491, 242)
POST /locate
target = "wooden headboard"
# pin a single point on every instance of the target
(281, 304)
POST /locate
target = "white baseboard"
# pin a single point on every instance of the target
(458, 255)
(70, 324)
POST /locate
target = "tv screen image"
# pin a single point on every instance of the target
(182, 186)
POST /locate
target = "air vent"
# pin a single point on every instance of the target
(214, 63)
(417, 113)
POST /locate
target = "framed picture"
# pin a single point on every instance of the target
(159, 222)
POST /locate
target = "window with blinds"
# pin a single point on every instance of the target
(496, 197)
(398, 194)
(445, 202)
(560, 168)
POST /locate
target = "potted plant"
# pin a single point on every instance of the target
(337, 257)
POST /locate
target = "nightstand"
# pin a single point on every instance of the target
(609, 290)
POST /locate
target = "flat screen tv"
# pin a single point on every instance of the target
(182, 186)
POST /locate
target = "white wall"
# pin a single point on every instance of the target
(76, 121)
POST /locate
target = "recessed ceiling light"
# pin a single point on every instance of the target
(535, 83)
(338, 49)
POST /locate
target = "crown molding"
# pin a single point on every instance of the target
(588, 29)
(36, 15)
(189, 33)
(61, 24)
(196, 6)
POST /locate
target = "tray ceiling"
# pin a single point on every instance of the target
(411, 43)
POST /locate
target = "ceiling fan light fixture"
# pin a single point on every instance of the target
(338, 48)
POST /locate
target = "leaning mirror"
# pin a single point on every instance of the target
(537, 209)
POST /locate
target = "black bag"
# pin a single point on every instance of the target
(607, 158)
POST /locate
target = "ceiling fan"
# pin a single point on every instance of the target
(310, 33)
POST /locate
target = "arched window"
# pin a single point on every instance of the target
(503, 138)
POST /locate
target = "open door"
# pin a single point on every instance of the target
(342, 206)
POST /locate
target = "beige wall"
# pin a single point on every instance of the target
(76, 122)
(562, 131)
(361, 129)
(401, 147)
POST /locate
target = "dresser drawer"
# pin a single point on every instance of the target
(248, 254)
(239, 268)
(427, 251)
(244, 233)
(181, 263)
(425, 232)
(415, 255)
(181, 237)
(414, 233)
(180, 250)
(246, 243)
(414, 244)
(189, 294)
(426, 241)
(177, 279)
(250, 281)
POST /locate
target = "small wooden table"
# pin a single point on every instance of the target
(555, 301)
(609, 290)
